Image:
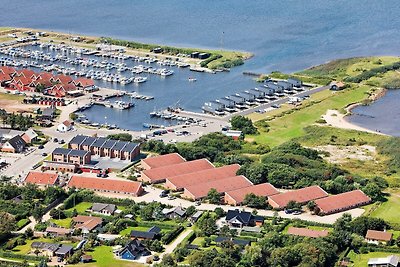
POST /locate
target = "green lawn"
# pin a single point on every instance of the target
(81, 207)
(63, 222)
(361, 260)
(21, 223)
(390, 210)
(292, 125)
(25, 249)
(104, 257)
(4, 96)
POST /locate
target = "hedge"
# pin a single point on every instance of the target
(11, 255)
(168, 237)
(250, 234)
(150, 224)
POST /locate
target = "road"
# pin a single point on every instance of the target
(172, 246)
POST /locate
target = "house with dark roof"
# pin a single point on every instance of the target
(78, 157)
(238, 219)
(196, 216)
(133, 250)
(152, 233)
(104, 209)
(14, 145)
(239, 242)
(64, 251)
(174, 213)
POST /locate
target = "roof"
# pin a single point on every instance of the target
(17, 142)
(88, 141)
(70, 152)
(87, 222)
(300, 195)
(180, 181)
(98, 207)
(65, 86)
(163, 160)
(176, 210)
(197, 214)
(307, 232)
(129, 147)
(41, 178)
(78, 139)
(84, 82)
(67, 123)
(25, 72)
(242, 216)
(58, 230)
(7, 70)
(109, 144)
(64, 249)
(393, 260)
(221, 185)
(378, 235)
(134, 247)
(4, 77)
(100, 141)
(154, 229)
(164, 172)
(265, 189)
(121, 186)
(119, 145)
(342, 201)
(45, 246)
(239, 242)
(63, 79)
(142, 234)
(31, 134)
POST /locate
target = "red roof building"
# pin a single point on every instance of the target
(63, 79)
(161, 161)
(87, 223)
(7, 70)
(237, 196)
(107, 185)
(307, 232)
(5, 77)
(83, 82)
(199, 191)
(61, 90)
(204, 176)
(45, 76)
(301, 196)
(374, 236)
(42, 178)
(342, 202)
(25, 73)
(158, 175)
(45, 83)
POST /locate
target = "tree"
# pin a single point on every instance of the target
(255, 201)
(256, 172)
(213, 196)
(243, 124)
(190, 210)
(311, 205)
(373, 191)
(7, 224)
(57, 214)
(29, 233)
(219, 211)
(207, 225)
(293, 205)
(121, 136)
(167, 261)
(362, 224)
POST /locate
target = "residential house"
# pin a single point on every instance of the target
(389, 261)
(133, 250)
(14, 145)
(174, 213)
(78, 157)
(62, 79)
(336, 86)
(65, 126)
(87, 223)
(29, 136)
(45, 249)
(104, 209)
(378, 237)
(64, 251)
(57, 231)
(239, 219)
(42, 178)
(61, 90)
(196, 216)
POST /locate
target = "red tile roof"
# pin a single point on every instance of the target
(342, 201)
(303, 195)
(25, 72)
(307, 232)
(88, 222)
(65, 87)
(378, 235)
(63, 79)
(102, 184)
(161, 173)
(41, 178)
(84, 82)
(163, 160)
(180, 181)
(22, 80)
(4, 77)
(265, 189)
(7, 70)
(227, 184)
(45, 75)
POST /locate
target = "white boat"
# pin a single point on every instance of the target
(140, 79)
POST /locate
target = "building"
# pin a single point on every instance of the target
(235, 135)
(342, 202)
(178, 182)
(239, 242)
(158, 175)
(14, 145)
(64, 126)
(174, 213)
(151, 234)
(87, 223)
(199, 191)
(64, 251)
(302, 196)
(72, 156)
(239, 219)
(295, 82)
(389, 261)
(61, 90)
(307, 232)
(161, 161)
(105, 209)
(378, 237)
(59, 166)
(42, 178)
(51, 250)
(57, 231)
(133, 250)
(336, 86)
(236, 197)
(29, 136)
(104, 147)
(195, 217)
(107, 185)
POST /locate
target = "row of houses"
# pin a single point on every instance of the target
(113, 186)
(55, 85)
(104, 147)
(196, 178)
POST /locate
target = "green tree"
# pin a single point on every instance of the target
(373, 191)
(255, 201)
(213, 196)
(7, 224)
(243, 124)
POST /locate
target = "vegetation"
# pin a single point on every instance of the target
(121, 136)
(243, 124)
(16, 121)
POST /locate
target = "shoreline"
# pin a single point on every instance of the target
(336, 119)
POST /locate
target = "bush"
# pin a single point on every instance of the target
(168, 237)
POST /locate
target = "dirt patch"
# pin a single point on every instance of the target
(16, 106)
(339, 154)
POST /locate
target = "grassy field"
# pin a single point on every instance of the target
(21, 223)
(389, 210)
(288, 126)
(4, 96)
(63, 222)
(128, 230)
(81, 207)
(25, 249)
(104, 257)
(361, 260)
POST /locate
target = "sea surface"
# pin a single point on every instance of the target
(285, 35)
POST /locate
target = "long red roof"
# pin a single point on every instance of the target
(105, 184)
(342, 201)
(41, 178)
(163, 160)
(265, 189)
(300, 196)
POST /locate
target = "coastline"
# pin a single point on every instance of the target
(339, 120)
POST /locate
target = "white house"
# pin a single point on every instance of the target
(64, 127)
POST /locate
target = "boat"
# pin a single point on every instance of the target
(140, 79)
(192, 79)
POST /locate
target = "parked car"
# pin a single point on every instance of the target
(171, 197)
(55, 140)
(197, 203)
(61, 142)
(41, 147)
(164, 193)
(44, 154)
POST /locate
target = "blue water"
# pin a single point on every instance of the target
(283, 35)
